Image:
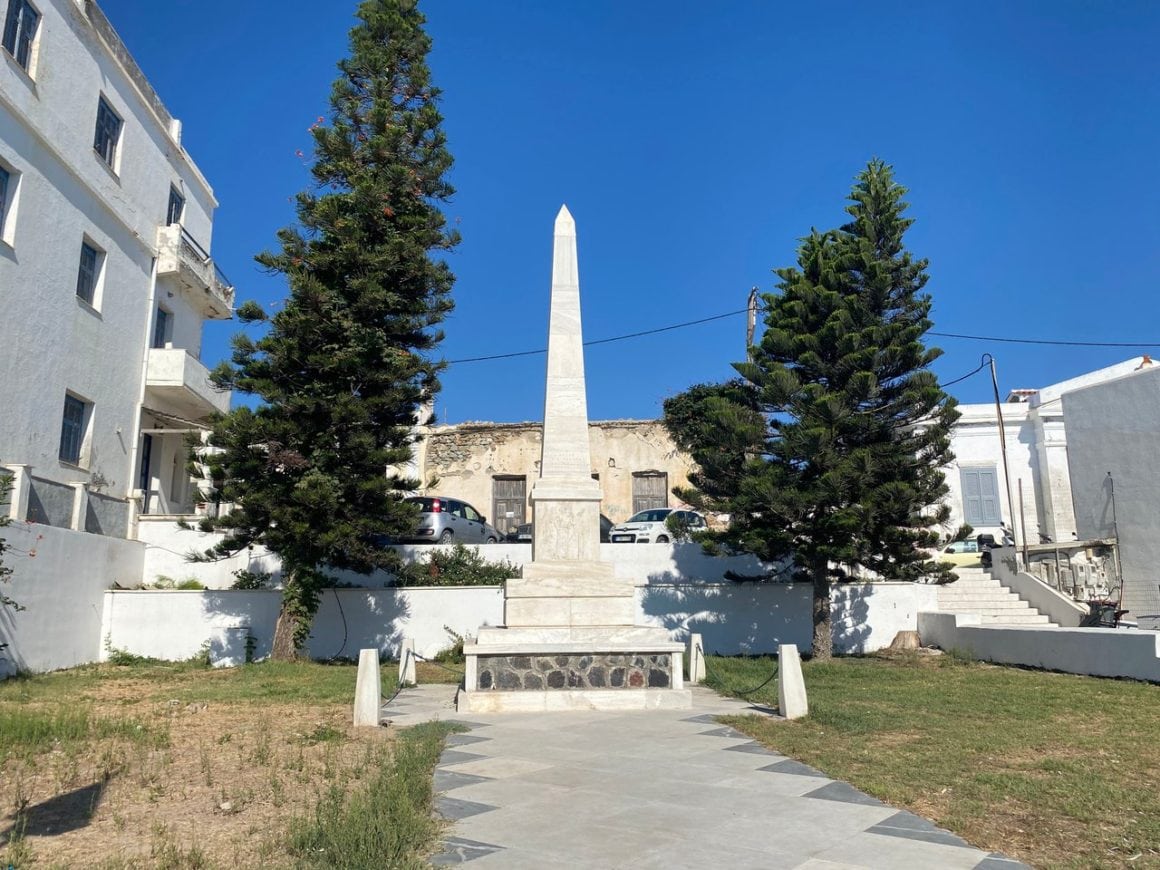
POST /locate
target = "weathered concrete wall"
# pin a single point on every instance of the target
(60, 577)
(1113, 427)
(1099, 652)
(732, 618)
(468, 457)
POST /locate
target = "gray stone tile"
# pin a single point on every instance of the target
(753, 748)
(454, 756)
(724, 732)
(844, 792)
(704, 718)
(457, 850)
(471, 726)
(946, 838)
(794, 767)
(465, 739)
(995, 861)
(446, 780)
(455, 809)
(905, 819)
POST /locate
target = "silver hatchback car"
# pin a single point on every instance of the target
(449, 521)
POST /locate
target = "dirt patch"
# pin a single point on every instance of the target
(202, 784)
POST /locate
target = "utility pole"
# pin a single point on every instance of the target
(1003, 446)
(750, 323)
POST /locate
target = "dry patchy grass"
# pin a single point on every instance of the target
(162, 765)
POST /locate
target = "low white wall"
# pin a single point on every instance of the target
(1100, 652)
(1056, 606)
(60, 576)
(167, 547)
(748, 618)
(175, 624)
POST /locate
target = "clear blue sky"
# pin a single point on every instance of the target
(695, 143)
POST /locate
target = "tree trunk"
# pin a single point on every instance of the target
(284, 649)
(823, 635)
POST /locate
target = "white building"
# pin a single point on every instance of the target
(105, 279)
(1037, 460)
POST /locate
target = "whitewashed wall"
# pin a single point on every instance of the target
(65, 193)
(167, 547)
(60, 577)
(732, 618)
(1100, 652)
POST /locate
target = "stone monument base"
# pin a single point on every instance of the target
(534, 669)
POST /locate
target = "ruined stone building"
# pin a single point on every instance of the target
(493, 466)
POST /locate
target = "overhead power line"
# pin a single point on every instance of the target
(605, 340)
(992, 338)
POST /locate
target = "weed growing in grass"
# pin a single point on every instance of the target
(17, 852)
(386, 823)
(323, 734)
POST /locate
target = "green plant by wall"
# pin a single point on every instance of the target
(459, 566)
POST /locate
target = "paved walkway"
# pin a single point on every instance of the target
(657, 789)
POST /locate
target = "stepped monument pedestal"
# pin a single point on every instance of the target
(569, 639)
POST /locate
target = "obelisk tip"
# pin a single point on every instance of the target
(564, 221)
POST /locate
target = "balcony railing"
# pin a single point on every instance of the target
(181, 257)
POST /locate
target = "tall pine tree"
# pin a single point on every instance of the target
(835, 436)
(345, 365)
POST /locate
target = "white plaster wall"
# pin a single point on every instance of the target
(1099, 652)
(175, 625)
(50, 339)
(1059, 608)
(167, 547)
(61, 587)
(975, 442)
(732, 618)
(1112, 427)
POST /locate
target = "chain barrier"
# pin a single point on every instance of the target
(400, 685)
(745, 694)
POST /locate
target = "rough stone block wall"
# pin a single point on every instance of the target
(575, 671)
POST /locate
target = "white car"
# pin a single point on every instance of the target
(650, 526)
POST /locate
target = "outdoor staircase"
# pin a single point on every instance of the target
(976, 591)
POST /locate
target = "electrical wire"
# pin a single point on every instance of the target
(688, 323)
(604, 340)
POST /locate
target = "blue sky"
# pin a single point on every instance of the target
(694, 144)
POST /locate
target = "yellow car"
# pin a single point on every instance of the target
(961, 553)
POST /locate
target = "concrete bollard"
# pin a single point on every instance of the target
(368, 690)
(791, 687)
(696, 660)
(407, 663)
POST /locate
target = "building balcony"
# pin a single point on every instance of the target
(178, 384)
(181, 259)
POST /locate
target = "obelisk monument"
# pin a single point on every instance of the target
(569, 639)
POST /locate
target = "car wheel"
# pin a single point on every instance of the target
(662, 539)
(490, 540)
(446, 537)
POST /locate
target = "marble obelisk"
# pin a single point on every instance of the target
(569, 639)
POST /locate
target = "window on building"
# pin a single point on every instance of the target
(108, 132)
(162, 328)
(20, 30)
(88, 273)
(650, 489)
(176, 210)
(6, 187)
(509, 498)
(980, 496)
(72, 429)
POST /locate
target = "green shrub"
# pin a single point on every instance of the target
(247, 579)
(459, 566)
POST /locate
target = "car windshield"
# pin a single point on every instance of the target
(656, 515)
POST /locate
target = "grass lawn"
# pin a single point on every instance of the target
(1054, 769)
(177, 766)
